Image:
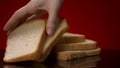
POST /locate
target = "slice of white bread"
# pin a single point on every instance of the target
(67, 55)
(85, 45)
(71, 38)
(50, 42)
(92, 52)
(25, 41)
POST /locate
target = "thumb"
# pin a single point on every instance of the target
(52, 8)
(51, 23)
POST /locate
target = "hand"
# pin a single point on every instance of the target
(33, 10)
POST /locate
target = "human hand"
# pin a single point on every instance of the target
(33, 10)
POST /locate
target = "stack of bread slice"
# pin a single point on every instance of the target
(72, 46)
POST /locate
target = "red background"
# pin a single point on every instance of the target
(96, 19)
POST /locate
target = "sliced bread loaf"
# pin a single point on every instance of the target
(50, 42)
(85, 45)
(25, 42)
(71, 38)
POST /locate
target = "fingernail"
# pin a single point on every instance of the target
(50, 31)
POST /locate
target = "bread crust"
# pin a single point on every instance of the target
(71, 38)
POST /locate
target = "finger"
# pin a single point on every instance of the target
(53, 11)
(51, 24)
(20, 14)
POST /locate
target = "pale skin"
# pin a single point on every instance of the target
(34, 9)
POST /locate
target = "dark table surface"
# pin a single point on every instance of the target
(107, 59)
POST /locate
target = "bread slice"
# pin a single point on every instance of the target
(92, 52)
(86, 45)
(67, 55)
(71, 38)
(24, 42)
(52, 40)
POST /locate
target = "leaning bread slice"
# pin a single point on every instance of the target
(71, 38)
(67, 55)
(24, 42)
(87, 44)
(50, 42)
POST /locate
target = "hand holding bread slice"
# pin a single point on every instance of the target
(29, 41)
(52, 40)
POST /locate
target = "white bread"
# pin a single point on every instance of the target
(67, 55)
(92, 52)
(71, 38)
(24, 42)
(85, 45)
(52, 40)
